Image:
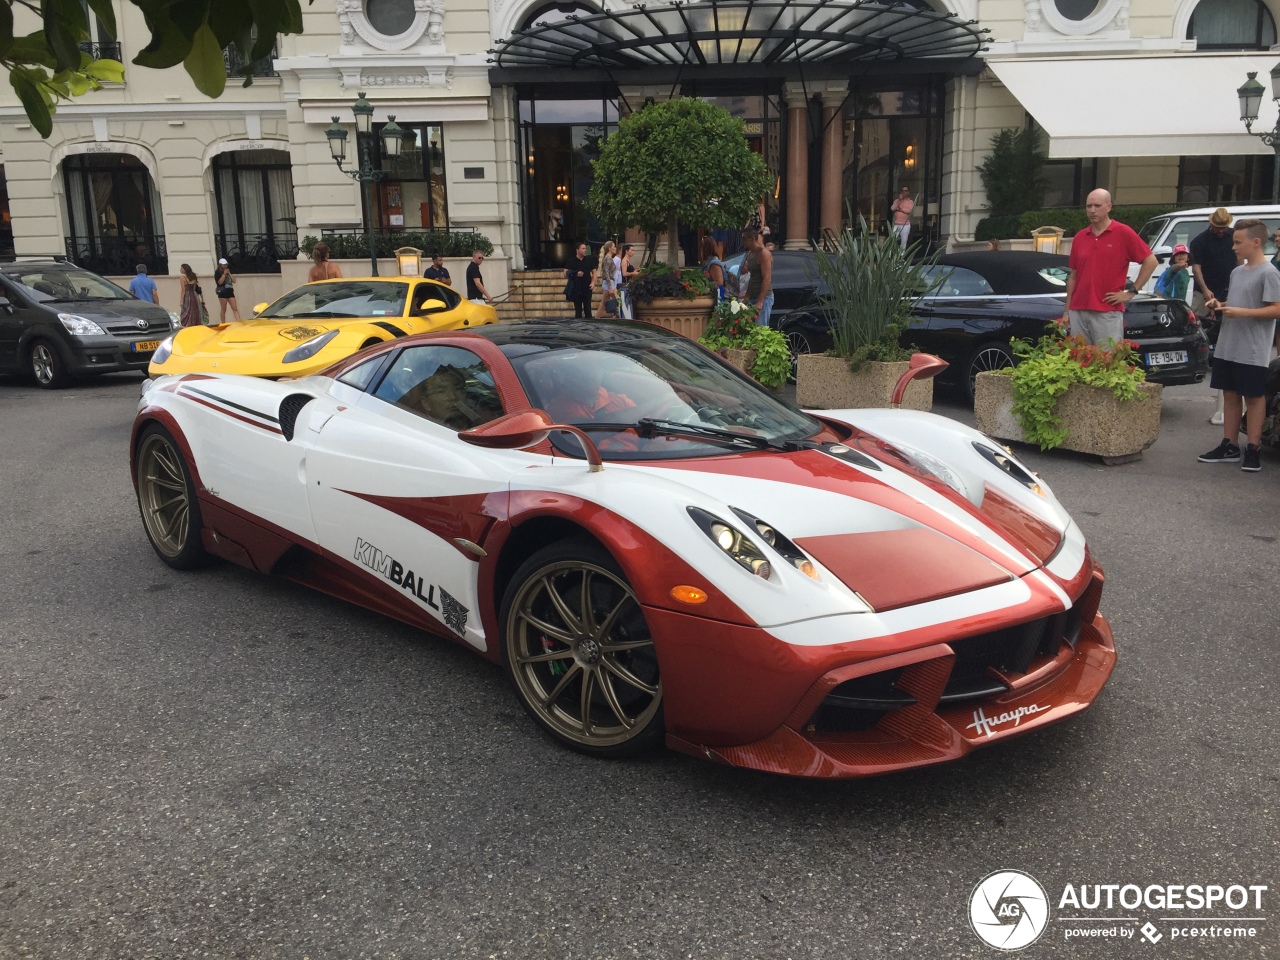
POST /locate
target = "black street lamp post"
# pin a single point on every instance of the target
(1251, 93)
(367, 171)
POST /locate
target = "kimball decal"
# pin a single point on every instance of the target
(987, 725)
(454, 613)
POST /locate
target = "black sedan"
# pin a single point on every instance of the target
(977, 303)
(59, 321)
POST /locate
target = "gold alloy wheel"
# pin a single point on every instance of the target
(163, 496)
(581, 654)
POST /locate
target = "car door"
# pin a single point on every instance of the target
(10, 327)
(958, 311)
(394, 492)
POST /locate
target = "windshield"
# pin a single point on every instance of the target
(1150, 232)
(350, 298)
(53, 284)
(608, 389)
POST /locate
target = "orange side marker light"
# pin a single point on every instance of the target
(687, 594)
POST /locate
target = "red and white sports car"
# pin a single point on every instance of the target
(653, 546)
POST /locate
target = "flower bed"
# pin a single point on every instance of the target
(761, 352)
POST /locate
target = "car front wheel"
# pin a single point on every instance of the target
(578, 649)
(46, 366)
(988, 357)
(167, 500)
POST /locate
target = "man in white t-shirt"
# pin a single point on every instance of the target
(902, 208)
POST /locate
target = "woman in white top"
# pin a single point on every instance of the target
(609, 271)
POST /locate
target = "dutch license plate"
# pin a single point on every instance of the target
(1166, 358)
(146, 346)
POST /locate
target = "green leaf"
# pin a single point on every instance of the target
(205, 64)
(231, 20)
(267, 17)
(168, 47)
(32, 102)
(64, 28)
(33, 50)
(105, 71)
(6, 28)
(106, 15)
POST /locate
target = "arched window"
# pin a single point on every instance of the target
(113, 214)
(1232, 25)
(556, 12)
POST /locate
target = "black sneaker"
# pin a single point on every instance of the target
(1225, 452)
(1252, 462)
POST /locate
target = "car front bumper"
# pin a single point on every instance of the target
(927, 718)
(90, 355)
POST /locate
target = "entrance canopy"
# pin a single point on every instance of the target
(1139, 106)
(761, 36)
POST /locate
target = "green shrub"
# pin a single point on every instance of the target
(1013, 172)
(660, 280)
(1071, 219)
(737, 329)
(355, 246)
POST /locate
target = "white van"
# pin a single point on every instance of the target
(1164, 233)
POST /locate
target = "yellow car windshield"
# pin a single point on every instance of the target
(341, 300)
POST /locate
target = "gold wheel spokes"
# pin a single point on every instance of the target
(163, 496)
(599, 686)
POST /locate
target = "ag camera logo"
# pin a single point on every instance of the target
(1009, 910)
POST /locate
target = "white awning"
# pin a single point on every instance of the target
(1141, 106)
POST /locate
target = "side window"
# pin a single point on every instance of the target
(959, 282)
(362, 375)
(448, 385)
(427, 297)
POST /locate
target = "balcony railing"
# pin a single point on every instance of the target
(237, 66)
(118, 256)
(258, 253)
(106, 50)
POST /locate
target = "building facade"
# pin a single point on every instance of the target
(503, 104)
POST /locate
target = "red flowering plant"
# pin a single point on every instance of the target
(733, 326)
(1047, 369)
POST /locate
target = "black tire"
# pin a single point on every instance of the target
(167, 500)
(45, 365)
(986, 356)
(797, 343)
(550, 653)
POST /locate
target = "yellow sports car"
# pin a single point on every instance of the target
(318, 324)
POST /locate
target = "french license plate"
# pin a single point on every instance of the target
(1166, 357)
(146, 346)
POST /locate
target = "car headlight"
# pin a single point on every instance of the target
(305, 351)
(163, 351)
(81, 326)
(740, 548)
(1002, 459)
(175, 321)
(784, 547)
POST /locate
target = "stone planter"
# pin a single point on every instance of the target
(687, 317)
(827, 383)
(744, 360)
(1096, 422)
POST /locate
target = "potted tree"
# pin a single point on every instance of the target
(867, 285)
(680, 162)
(1068, 393)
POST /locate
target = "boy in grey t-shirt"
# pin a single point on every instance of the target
(1244, 345)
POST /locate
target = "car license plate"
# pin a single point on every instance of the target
(1166, 357)
(146, 346)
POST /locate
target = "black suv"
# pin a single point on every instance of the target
(59, 321)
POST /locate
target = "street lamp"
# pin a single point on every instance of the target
(367, 172)
(1251, 93)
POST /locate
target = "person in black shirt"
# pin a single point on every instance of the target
(437, 271)
(581, 275)
(475, 283)
(1212, 260)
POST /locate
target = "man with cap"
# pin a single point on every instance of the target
(143, 287)
(1212, 260)
(1096, 287)
(225, 286)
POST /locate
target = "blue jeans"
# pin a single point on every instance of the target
(766, 307)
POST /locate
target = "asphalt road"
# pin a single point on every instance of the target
(218, 764)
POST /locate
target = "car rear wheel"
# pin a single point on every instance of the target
(797, 343)
(988, 357)
(578, 649)
(167, 500)
(46, 366)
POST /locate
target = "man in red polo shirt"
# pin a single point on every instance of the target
(1100, 258)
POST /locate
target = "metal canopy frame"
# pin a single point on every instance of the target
(766, 36)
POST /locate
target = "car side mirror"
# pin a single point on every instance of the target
(922, 366)
(259, 307)
(5, 305)
(432, 306)
(1163, 253)
(527, 428)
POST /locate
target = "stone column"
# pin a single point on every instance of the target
(797, 167)
(831, 211)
